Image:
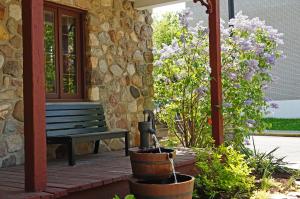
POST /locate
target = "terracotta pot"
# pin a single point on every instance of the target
(150, 164)
(166, 189)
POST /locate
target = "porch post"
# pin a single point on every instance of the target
(215, 64)
(231, 9)
(34, 96)
(213, 9)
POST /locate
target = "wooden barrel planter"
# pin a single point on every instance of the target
(166, 189)
(150, 164)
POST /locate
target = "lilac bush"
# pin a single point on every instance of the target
(250, 49)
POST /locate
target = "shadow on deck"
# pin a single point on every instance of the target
(98, 176)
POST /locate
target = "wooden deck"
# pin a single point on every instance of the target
(94, 176)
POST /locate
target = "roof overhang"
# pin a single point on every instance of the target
(149, 4)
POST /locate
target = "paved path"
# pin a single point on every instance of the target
(282, 133)
(288, 147)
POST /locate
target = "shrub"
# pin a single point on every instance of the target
(223, 174)
(182, 77)
(264, 164)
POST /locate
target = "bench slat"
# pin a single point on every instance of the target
(74, 125)
(75, 131)
(74, 119)
(63, 113)
(96, 136)
(107, 132)
(50, 107)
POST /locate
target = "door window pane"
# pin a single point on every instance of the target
(63, 52)
(69, 55)
(50, 53)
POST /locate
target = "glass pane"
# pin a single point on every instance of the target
(69, 55)
(50, 58)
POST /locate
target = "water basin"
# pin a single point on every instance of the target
(150, 164)
(166, 188)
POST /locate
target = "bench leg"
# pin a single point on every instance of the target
(97, 144)
(71, 153)
(127, 144)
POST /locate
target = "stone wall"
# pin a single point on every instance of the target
(119, 71)
(11, 90)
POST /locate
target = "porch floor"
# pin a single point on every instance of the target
(90, 173)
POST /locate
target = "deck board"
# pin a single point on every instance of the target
(91, 171)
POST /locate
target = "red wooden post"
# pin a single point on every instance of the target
(34, 95)
(215, 64)
(213, 9)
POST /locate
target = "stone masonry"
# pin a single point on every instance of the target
(119, 71)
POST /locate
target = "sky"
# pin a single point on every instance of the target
(159, 11)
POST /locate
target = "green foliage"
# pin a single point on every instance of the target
(264, 164)
(223, 174)
(165, 29)
(260, 195)
(268, 183)
(169, 142)
(126, 197)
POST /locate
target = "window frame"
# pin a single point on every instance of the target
(80, 16)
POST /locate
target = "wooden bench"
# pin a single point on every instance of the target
(72, 123)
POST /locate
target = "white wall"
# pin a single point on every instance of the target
(287, 109)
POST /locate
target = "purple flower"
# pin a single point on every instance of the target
(252, 63)
(248, 102)
(232, 76)
(250, 123)
(274, 105)
(227, 105)
(158, 63)
(224, 48)
(201, 90)
(264, 86)
(237, 86)
(248, 76)
(167, 81)
(175, 46)
(281, 54)
(267, 99)
(180, 62)
(259, 48)
(182, 38)
(270, 58)
(185, 17)
(245, 44)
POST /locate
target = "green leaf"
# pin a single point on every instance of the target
(130, 197)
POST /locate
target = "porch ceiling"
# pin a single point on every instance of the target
(148, 4)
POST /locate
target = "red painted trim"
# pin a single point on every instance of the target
(215, 64)
(34, 95)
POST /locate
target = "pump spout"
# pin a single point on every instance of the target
(152, 131)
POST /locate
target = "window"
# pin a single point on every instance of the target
(64, 52)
